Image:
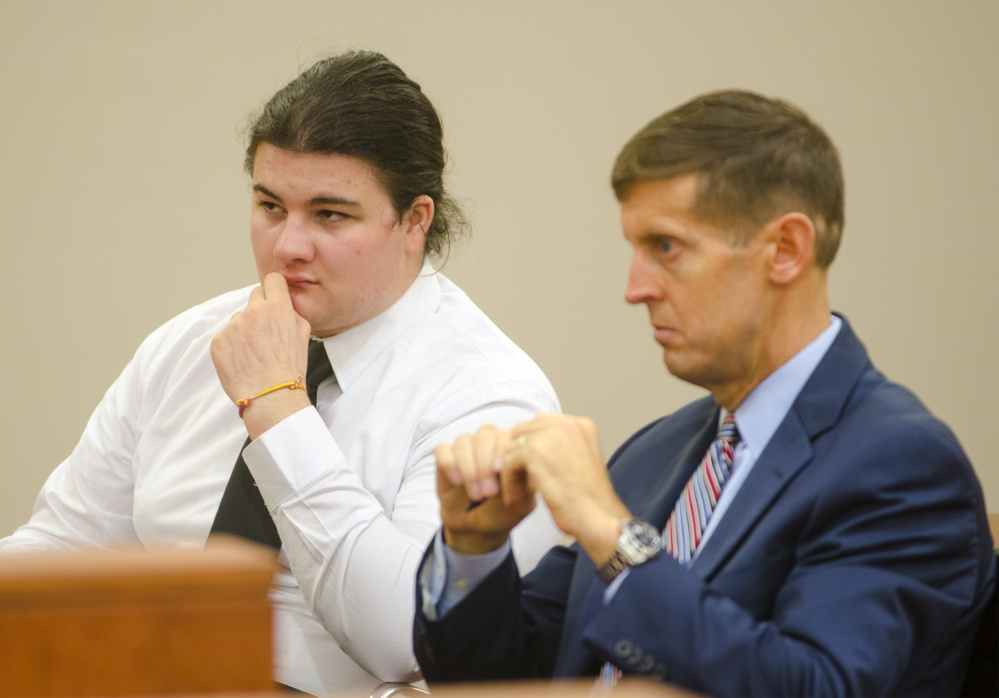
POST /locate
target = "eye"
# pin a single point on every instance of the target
(665, 248)
(328, 215)
(268, 206)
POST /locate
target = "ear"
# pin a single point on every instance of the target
(417, 222)
(793, 238)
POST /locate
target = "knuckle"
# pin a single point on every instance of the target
(217, 343)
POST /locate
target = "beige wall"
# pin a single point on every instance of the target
(124, 201)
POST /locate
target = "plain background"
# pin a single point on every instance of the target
(124, 199)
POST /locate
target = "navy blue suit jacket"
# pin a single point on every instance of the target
(855, 560)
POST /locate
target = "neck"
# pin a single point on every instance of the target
(793, 326)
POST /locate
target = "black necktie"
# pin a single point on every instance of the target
(242, 511)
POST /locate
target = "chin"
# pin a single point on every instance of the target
(676, 368)
(325, 325)
(302, 309)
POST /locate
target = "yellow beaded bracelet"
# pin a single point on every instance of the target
(244, 403)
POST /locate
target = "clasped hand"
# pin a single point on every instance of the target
(265, 345)
(555, 455)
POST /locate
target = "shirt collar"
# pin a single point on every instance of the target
(767, 404)
(352, 350)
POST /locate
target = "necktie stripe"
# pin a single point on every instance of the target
(699, 499)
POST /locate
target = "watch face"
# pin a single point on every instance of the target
(640, 541)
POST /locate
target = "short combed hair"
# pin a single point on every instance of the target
(757, 158)
(360, 104)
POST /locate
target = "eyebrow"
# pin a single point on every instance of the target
(314, 201)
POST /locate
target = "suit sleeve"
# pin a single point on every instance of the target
(865, 578)
(506, 628)
(503, 629)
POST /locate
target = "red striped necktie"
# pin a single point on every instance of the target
(690, 516)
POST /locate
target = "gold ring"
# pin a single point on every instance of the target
(521, 441)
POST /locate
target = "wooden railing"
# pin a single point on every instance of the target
(136, 623)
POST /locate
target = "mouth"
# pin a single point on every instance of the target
(299, 281)
(662, 334)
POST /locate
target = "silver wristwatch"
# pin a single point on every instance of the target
(639, 542)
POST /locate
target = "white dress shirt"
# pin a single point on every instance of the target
(351, 484)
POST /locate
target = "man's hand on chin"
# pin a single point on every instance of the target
(264, 346)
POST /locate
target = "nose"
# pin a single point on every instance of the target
(294, 243)
(641, 282)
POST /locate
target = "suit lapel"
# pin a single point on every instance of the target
(815, 410)
(789, 450)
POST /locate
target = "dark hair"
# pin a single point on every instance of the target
(756, 158)
(360, 104)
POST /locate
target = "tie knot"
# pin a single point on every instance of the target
(728, 431)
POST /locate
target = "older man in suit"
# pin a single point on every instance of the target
(808, 529)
